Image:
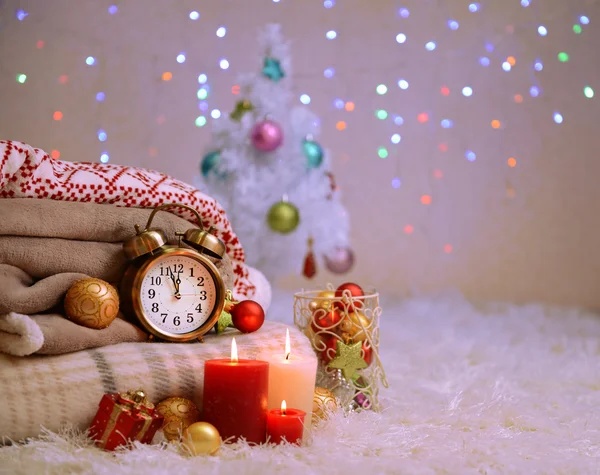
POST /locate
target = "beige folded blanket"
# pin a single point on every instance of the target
(51, 391)
(22, 332)
(47, 245)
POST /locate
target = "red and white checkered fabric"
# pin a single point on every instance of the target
(27, 172)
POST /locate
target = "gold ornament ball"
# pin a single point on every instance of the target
(347, 338)
(319, 302)
(92, 303)
(283, 217)
(346, 325)
(201, 438)
(179, 414)
(324, 402)
(356, 330)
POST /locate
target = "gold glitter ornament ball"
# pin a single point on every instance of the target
(92, 303)
(201, 438)
(324, 402)
(179, 414)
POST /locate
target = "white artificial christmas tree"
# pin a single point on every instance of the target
(264, 164)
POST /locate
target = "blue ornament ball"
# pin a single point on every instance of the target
(209, 161)
(313, 153)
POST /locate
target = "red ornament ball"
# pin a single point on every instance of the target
(327, 347)
(355, 291)
(367, 354)
(322, 320)
(248, 316)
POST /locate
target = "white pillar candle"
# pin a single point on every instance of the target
(292, 378)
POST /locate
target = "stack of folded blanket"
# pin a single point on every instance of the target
(61, 222)
(46, 246)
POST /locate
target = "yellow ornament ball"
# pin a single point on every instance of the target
(283, 217)
(201, 438)
(179, 414)
(324, 402)
(322, 300)
(92, 303)
(359, 329)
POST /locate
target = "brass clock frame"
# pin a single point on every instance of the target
(149, 246)
(134, 277)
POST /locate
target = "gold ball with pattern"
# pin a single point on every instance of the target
(201, 438)
(324, 403)
(92, 303)
(179, 414)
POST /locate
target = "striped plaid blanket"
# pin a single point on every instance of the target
(51, 391)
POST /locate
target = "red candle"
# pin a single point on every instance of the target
(285, 424)
(236, 397)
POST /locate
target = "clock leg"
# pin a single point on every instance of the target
(200, 339)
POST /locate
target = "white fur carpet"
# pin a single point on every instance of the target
(501, 389)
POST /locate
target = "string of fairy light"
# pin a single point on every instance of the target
(507, 65)
(329, 72)
(401, 38)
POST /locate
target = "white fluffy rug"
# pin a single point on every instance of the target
(473, 390)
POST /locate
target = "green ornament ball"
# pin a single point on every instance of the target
(313, 153)
(283, 217)
(209, 161)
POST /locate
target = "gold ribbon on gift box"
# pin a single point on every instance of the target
(137, 403)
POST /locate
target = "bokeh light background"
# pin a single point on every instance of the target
(464, 134)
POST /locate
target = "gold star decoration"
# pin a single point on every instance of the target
(348, 359)
(225, 321)
(241, 107)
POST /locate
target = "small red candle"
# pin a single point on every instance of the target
(236, 397)
(285, 424)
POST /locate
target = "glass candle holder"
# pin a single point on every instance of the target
(344, 332)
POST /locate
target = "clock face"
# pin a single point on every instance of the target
(178, 294)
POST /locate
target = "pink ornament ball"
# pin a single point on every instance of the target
(266, 135)
(340, 260)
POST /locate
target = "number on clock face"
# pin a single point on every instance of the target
(178, 294)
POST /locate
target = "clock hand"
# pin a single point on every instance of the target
(176, 285)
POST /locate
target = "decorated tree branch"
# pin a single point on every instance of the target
(272, 176)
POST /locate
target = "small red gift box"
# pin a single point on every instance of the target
(123, 418)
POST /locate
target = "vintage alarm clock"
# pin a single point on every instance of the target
(176, 293)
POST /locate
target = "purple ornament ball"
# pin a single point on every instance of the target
(340, 260)
(362, 401)
(266, 135)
